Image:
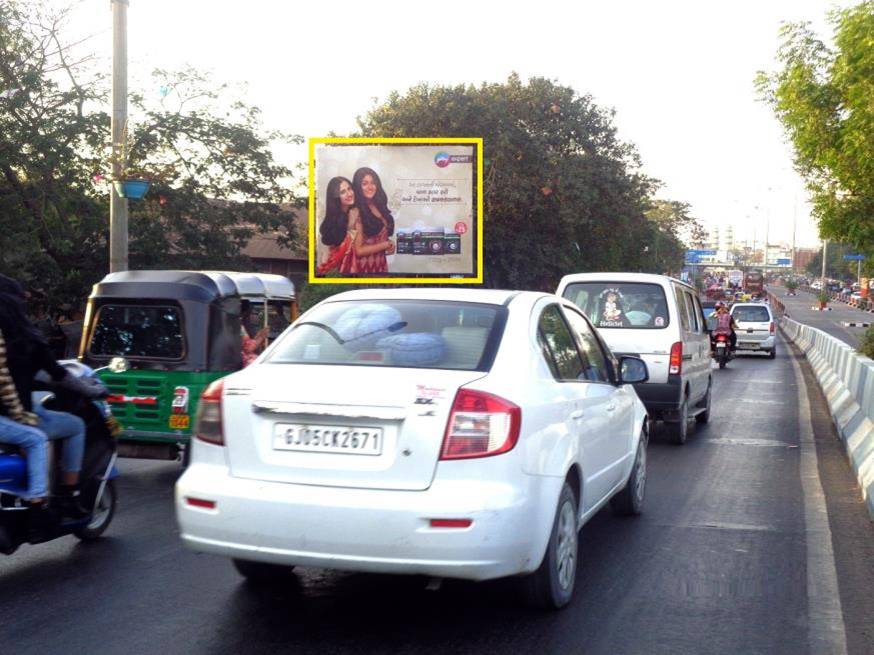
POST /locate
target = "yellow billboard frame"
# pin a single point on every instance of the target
(435, 141)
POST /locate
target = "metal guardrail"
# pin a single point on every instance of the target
(847, 380)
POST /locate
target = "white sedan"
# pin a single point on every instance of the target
(446, 432)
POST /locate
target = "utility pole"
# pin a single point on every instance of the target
(824, 256)
(118, 205)
(794, 222)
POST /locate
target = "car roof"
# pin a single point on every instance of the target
(751, 304)
(619, 276)
(485, 296)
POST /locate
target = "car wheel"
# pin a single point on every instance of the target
(704, 417)
(102, 516)
(679, 431)
(629, 501)
(772, 353)
(551, 586)
(262, 572)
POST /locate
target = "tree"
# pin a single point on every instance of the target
(672, 227)
(822, 96)
(836, 267)
(561, 192)
(214, 178)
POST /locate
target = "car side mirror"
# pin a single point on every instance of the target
(632, 370)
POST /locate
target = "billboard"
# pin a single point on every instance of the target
(395, 210)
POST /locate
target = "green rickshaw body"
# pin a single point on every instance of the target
(161, 337)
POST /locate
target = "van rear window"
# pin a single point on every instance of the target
(152, 332)
(621, 304)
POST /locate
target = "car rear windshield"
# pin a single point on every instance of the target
(151, 332)
(395, 333)
(611, 304)
(751, 314)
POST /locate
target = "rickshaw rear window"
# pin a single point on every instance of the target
(138, 331)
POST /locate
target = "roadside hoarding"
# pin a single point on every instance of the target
(428, 193)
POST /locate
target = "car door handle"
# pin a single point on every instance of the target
(577, 414)
(611, 407)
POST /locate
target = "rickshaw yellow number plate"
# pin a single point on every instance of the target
(180, 421)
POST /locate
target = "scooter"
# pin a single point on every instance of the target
(724, 353)
(98, 493)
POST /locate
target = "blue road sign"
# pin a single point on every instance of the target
(854, 258)
(701, 253)
(784, 261)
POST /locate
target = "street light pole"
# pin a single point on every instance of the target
(118, 205)
(824, 256)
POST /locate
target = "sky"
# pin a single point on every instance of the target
(679, 75)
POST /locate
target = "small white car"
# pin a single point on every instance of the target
(447, 432)
(756, 328)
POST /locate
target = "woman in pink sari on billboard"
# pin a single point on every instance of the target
(371, 241)
(338, 228)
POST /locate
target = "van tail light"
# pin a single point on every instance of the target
(675, 366)
(772, 327)
(480, 425)
(208, 424)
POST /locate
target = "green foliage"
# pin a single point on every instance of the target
(836, 267)
(561, 192)
(823, 297)
(312, 294)
(822, 96)
(791, 285)
(866, 345)
(215, 182)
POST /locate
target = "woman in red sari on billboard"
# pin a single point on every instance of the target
(371, 241)
(338, 229)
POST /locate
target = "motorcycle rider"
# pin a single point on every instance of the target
(724, 325)
(27, 353)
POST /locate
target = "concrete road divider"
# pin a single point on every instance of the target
(847, 380)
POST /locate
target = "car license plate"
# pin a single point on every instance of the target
(179, 421)
(327, 439)
(747, 346)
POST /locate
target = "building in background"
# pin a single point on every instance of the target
(268, 256)
(803, 257)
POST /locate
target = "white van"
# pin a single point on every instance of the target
(660, 320)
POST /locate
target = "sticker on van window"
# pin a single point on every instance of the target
(659, 321)
(612, 309)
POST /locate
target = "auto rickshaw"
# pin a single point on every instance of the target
(164, 336)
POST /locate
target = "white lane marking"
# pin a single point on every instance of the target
(771, 443)
(825, 617)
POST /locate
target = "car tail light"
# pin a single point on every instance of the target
(480, 425)
(676, 361)
(208, 425)
(772, 327)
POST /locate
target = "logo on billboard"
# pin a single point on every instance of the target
(443, 159)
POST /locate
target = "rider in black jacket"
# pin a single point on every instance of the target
(27, 353)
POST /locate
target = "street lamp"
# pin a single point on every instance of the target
(118, 206)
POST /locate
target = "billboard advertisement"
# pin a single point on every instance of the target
(395, 210)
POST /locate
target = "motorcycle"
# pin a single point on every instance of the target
(724, 353)
(98, 492)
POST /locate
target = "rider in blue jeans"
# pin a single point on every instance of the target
(27, 353)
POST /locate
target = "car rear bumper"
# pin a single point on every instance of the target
(755, 343)
(372, 530)
(660, 397)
